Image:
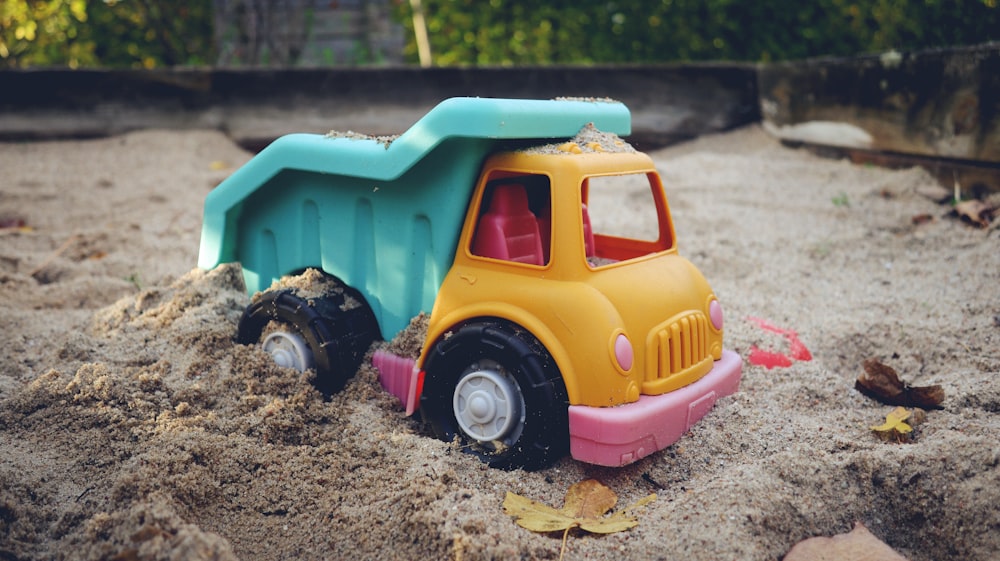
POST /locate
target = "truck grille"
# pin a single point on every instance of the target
(677, 353)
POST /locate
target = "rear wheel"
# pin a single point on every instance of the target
(493, 386)
(329, 332)
(288, 348)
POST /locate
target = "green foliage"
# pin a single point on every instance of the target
(148, 33)
(130, 33)
(507, 32)
(42, 31)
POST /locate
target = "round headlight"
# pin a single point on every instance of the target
(715, 314)
(624, 355)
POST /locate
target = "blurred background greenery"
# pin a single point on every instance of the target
(163, 33)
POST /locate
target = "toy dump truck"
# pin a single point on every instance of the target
(557, 323)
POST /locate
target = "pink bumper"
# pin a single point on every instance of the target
(618, 436)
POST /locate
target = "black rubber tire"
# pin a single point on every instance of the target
(544, 433)
(338, 338)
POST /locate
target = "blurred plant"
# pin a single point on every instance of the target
(39, 32)
(148, 33)
(261, 32)
(841, 200)
(507, 32)
(75, 33)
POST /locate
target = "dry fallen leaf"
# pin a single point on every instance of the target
(894, 427)
(585, 505)
(857, 545)
(975, 211)
(880, 382)
(899, 424)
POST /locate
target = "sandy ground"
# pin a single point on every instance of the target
(132, 427)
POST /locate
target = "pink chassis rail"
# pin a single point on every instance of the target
(606, 436)
(618, 436)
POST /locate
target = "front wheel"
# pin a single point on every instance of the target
(494, 386)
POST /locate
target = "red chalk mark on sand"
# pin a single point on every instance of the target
(771, 359)
(768, 359)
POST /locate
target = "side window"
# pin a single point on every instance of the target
(514, 221)
(624, 218)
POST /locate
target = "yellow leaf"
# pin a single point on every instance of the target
(610, 525)
(589, 499)
(585, 506)
(894, 422)
(534, 515)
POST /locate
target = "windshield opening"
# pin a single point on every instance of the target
(626, 218)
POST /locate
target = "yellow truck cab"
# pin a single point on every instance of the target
(562, 317)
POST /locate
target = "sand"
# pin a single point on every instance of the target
(133, 427)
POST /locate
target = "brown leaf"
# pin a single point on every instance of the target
(975, 211)
(880, 382)
(589, 499)
(858, 545)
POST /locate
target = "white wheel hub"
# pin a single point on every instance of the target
(289, 350)
(487, 403)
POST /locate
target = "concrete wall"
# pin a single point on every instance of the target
(938, 109)
(936, 103)
(668, 103)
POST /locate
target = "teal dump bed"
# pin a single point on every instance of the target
(385, 219)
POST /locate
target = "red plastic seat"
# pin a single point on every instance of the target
(509, 230)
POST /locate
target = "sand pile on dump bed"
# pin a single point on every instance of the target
(134, 428)
(588, 140)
